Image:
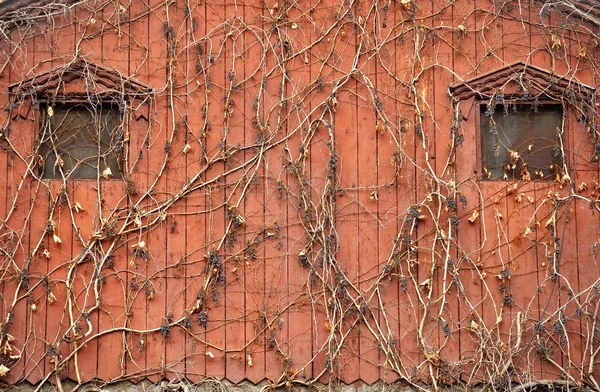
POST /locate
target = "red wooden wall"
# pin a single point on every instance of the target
(303, 200)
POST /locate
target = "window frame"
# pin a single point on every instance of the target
(566, 112)
(42, 107)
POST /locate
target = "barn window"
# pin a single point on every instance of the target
(82, 141)
(521, 141)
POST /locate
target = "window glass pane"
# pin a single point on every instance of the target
(520, 140)
(86, 139)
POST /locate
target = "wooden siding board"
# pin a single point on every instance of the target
(447, 290)
(299, 317)
(468, 237)
(427, 231)
(86, 222)
(523, 271)
(35, 369)
(367, 100)
(316, 136)
(112, 314)
(35, 366)
(138, 160)
(547, 347)
(156, 305)
(387, 180)
(408, 306)
(176, 172)
(113, 278)
(244, 203)
(196, 222)
(5, 47)
(16, 221)
(216, 197)
(275, 280)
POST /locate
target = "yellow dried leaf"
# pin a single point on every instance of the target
(46, 253)
(556, 42)
(549, 222)
(187, 148)
(107, 173)
(406, 3)
(51, 298)
(249, 360)
(375, 195)
(50, 111)
(582, 187)
(3, 370)
(474, 216)
(56, 239)
(140, 245)
(77, 207)
(210, 354)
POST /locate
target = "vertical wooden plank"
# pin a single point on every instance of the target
(299, 320)
(489, 31)
(343, 168)
(547, 350)
(196, 222)
(447, 287)
(110, 272)
(588, 236)
(276, 110)
(114, 255)
(5, 68)
(326, 360)
(176, 179)
(494, 252)
(368, 102)
(404, 156)
(85, 222)
(539, 39)
(566, 325)
(58, 322)
(138, 124)
(523, 281)
(36, 347)
(156, 311)
(39, 202)
(216, 224)
(428, 238)
(19, 133)
(243, 211)
(386, 197)
(467, 170)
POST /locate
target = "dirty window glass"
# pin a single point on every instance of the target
(520, 142)
(81, 140)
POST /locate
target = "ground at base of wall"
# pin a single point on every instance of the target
(226, 386)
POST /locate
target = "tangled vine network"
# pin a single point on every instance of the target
(290, 190)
